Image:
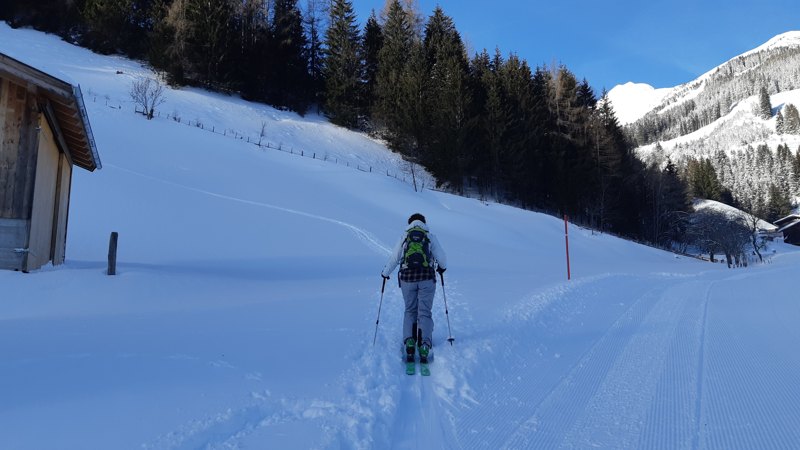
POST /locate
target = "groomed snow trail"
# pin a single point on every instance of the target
(615, 361)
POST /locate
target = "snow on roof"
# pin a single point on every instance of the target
(701, 204)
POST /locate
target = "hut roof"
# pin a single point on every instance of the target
(65, 106)
(790, 223)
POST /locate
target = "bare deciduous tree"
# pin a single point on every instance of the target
(148, 94)
(750, 217)
(715, 231)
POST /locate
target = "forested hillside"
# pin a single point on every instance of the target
(766, 71)
(485, 124)
(734, 133)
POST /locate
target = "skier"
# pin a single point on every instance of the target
(417, 253)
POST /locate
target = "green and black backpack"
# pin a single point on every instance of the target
(417, 250)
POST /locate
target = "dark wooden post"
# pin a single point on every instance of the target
(112, 253)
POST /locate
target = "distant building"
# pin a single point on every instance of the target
(44, 132)
(790, 227)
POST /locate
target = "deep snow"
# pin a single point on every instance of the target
(249, 283)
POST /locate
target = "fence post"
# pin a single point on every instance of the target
(566, 239)
(112, 253)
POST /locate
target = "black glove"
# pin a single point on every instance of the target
(440, 269)
(385, 277)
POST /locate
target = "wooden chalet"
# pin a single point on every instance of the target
(44, 133)
(790, 227)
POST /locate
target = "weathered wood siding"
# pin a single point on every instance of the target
(13, 236)
(19, 118)
(18, 137)
(43, 215)
(62, 210)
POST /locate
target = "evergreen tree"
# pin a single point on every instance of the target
(670, 206)
(703, 181)
(796, 168)
(109, 24)
(791, 119)
(585, 96)
(57, 16)
(446, 98)
(254, 56)
(490, 124)
(371, 47)
(343, 68)
(211, 39)
(779, 123)
(198, 41)
(476, 158)
(779, 204)
(414, 17)
(314, 51)
(160, 40)
(571, 144)
(542, 157)
(413, 120)
(398, 41)
(608, 153)
(518, 151)
(764, 105)
(290, 78)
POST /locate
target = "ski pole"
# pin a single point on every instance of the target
(450, 339)
(379, 313)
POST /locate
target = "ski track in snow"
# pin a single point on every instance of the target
(664, 373)
(658, 374)
(370, 240)
(603, 362)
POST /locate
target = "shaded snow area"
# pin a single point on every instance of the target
(248, 289)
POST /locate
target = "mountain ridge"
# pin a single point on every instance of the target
(630, 106)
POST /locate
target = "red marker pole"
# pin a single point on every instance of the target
(566, 237)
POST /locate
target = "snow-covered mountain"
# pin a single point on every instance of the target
(631, 100)
(248, 288)
(715, 117)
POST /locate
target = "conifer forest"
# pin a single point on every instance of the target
(483, 122)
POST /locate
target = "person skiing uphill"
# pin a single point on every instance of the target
(417, 253)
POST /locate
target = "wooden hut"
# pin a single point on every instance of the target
(790, 227)
(44, 133)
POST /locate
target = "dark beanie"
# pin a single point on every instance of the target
(416, 216)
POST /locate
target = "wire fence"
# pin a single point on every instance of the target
(262, 142)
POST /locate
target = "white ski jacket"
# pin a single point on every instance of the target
(397, 254)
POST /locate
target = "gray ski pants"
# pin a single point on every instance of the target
(418, 297)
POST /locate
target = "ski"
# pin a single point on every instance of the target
(411, 366)
(424, 370)
(425, 356)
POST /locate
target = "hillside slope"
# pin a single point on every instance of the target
(248, 290)
(715, 117)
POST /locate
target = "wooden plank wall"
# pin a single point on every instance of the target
(43, 216)
(18, 136)
(13, 235)
(62, 210)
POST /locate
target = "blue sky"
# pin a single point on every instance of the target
(661, 43)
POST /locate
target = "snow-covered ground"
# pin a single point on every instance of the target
(248, 291)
